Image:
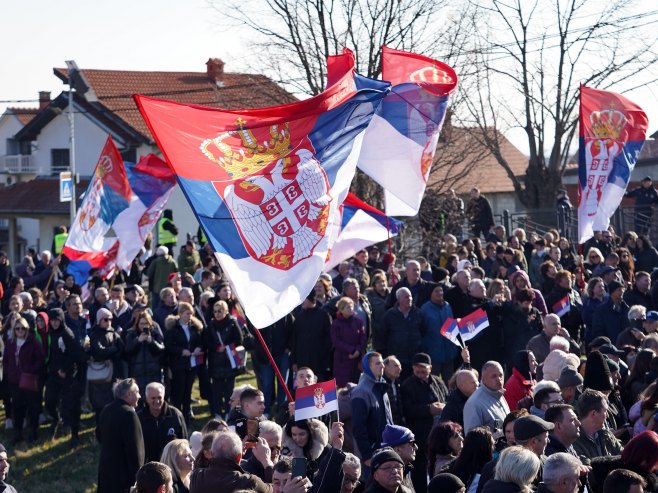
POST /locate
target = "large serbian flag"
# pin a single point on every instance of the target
(361, 225)
(125, 198)
(316, 400)
(399, 146)
(612, 133)
(266, 184)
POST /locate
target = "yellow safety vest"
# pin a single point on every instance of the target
(165, 237)
(60, 240)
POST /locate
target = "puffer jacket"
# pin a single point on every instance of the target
(144, 357)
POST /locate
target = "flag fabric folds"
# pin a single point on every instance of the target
(361, 225)
(562, 307)
(316, 400)
(472, 324)
(125, 197)
(612, 133)
(399, 146)
(450, 330)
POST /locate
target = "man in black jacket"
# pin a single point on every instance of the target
(466, 383)
(392, 371)
(423, 397)
(311, 339)
(161, 422)
(387, 473)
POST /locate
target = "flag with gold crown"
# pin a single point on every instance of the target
(612, 133)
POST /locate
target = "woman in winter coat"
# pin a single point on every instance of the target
(520, 324)
(519, 385)
(476, 452)
(308, 438)
(183, 343)
(516, 469)
(222, 331)
(23, 361)
(520, 280)
(640, 455)
(444, 444)
(144, 349)
(349, 340)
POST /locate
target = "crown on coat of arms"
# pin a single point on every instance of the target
(607, 124)
(253, 155)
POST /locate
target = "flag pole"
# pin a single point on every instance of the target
(52, 273)
(282, 382)
(338, 408)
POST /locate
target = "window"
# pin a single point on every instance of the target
(59, 160)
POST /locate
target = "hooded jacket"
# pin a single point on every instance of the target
(539, 303)
(64, 351)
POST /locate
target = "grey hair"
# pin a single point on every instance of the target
(100, 289)
(558, 465)
(559, 342)
(353, 460)
(637, 311)
(551, 316)
(122, 387)
(350, 281)
(226, 445)
(267, 426)
(154, 385)
(474, 282)
(491, 364)
(25, 296)
(517, 465)
(186, 290)
(412, 262)
(546, 384)
(402, 291)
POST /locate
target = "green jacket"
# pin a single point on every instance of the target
(159, 271)
(189, 262)
(586, 446)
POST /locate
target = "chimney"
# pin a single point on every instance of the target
(44, 99)
(215, 71)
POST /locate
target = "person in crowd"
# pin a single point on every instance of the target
(261, 459)
(154, 477)
(477, 451)
(595, 439)
(158, 272)
(23, 361)
(466, 383)
(516, 469)
(640, 455)
(221, 336)
(402, 331)
(403, 442)
(561, 474)
(625, 481)
(189, 259)
(479, 213)
(639, 293)
(281, 474)
(442, 351)
(423, 398)
(566, 429)
(487, 406)
(168, 305)
(520, 323)
(311, 338)
(359, 269)
(144, 350)
(626, 266)
(225, 474)
(371, 410)
(160, 421)
(645, 196)
(507, 439)
(178, 457)
(349, 340)
(74, 319)
(546, 393)
(566, 301)
(444, 444)
(392, 371)
(66, 375)
(520, 383)
(377, 295)
(646, 256)
(387, 473)
(183, 344)
(458, 295)
(420, 288)
(121, 441)
(307, 438)
(611, 318)
(540, 345)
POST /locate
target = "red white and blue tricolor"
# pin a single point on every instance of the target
(562, 307)
(316, 400)
(472, 324)
(450, 330)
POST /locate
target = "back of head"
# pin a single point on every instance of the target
(621, 481)
(445, 483)
(559, 465)
(227, 445)
(517, 465)
(151, 476)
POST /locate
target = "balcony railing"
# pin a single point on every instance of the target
(20, 163)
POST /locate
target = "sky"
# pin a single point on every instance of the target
(164, 35)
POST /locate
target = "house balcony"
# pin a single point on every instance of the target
(18, 164)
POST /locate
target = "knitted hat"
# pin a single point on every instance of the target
(597, 373)
(395, 435)
(103, 313)
(445, 483)
(382, 456)
(162, 250)
(570, 378)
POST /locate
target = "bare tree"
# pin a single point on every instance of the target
(530, 58)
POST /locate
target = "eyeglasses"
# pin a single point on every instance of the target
(20, 327)
(106, 319)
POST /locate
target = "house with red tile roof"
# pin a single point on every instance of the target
(40, 137)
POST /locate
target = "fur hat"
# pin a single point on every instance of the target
(597, 373)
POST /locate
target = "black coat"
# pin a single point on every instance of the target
(144, 357)
(226, 331)
(454, 410)
(159, 431)
(602, 466)
(175, 342)
(67, 355)
(416, 399)
(277, 337)
(518, 330)
(122, 447)
(311, 341)
(609, 322)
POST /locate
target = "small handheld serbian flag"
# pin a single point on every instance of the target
(450, 330)
(562, 307)
(236, 356)
(316, 400)
(472, 324)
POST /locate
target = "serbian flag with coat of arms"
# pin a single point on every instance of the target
(401, 140)
(266, 184)
(450, 330)
(612, 132)
(472, 324)
(316, 400)
(361, 225)
(562, 307)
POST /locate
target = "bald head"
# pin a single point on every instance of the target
(466, 382)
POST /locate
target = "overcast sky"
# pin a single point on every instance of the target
(168, 35)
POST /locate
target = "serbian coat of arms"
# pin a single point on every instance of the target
(318, 398)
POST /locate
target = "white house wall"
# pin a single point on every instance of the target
(9, 126)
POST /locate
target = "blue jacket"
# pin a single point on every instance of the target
(440, 349)
(371, 412)
(609, 322)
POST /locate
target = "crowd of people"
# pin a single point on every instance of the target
(557, 394)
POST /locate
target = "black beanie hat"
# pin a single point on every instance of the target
(597, 373)
(56, 313)
(445, 483)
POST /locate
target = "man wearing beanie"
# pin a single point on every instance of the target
(423, 399)
(387, 472)
(611, 317)
(446, 483)
(570, 383)
(403, 441)
(4, 469)
(371, 410)
(595, 440)
(66, 362)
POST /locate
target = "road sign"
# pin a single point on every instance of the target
(65, 186)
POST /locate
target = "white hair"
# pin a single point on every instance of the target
(267, 426)
(402, 291)
(517, 465)
(559, 342)
(637, 312)
(226, 445)
(545, 384)
(559, 465)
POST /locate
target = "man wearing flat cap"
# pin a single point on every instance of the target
(4, 469)
(423, 399)
(403, 442)
(387, 472)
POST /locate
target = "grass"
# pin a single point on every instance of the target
(52, 465)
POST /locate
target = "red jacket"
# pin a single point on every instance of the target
(516, 388)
